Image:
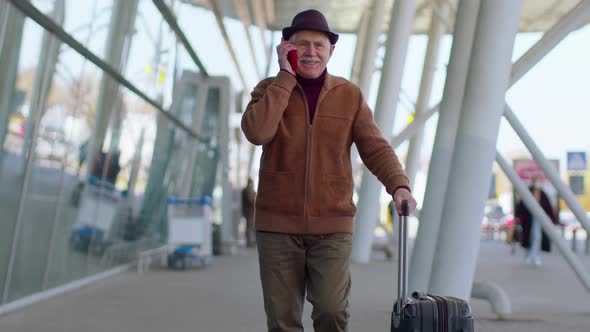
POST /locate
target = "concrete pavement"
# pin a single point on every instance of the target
(226, 297)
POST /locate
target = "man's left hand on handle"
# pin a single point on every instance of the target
(403, 194)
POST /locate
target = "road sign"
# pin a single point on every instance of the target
(576, 161)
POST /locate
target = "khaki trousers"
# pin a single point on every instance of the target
(291, 265)
(250, 235)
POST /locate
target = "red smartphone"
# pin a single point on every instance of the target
(292, 57)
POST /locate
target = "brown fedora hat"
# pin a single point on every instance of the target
(310, 20)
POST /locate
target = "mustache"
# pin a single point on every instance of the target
(309, 58)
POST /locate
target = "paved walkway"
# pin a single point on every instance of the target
(226, 297)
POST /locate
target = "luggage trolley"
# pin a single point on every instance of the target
(94, 224)
(189, 232)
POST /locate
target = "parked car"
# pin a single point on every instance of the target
(494, 221)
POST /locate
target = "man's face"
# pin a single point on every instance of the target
(314, 51)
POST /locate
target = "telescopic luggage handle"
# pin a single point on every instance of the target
(402, 262)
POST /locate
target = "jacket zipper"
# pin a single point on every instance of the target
(307, 160)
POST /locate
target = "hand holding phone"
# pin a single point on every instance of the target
(292, 58)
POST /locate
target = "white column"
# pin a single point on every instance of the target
(11, 29)
(135, 166)
(475, 148)
(214, 6)
(42, 84)
(370, 42)
(398, 35)
(118, 41)
(229, 223)
(435, 32)
(442, 152)
(50, 56)
(45, 70)
(376, 19)
(425, 243)
(117, 117)
(244, 15)
(260, 20)
(359, 47)
(5, 11)
(252, 153)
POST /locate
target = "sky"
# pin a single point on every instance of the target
(552, 100)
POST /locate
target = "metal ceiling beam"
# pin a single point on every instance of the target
(214, 5)
(441, 10)
(570, 22)
(260, 20)
(244, 15)
(269, 8)
(359, 48)
(376, 20)
(4, 14)
(173, 23)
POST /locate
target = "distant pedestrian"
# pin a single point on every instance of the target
(533, 238)
(248, 199)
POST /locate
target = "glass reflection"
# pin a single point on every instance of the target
(88, 163)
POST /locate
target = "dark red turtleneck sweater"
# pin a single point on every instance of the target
(312, 88)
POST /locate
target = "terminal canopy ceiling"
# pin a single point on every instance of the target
(344, 15)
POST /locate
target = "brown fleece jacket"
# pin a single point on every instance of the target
(305, 178)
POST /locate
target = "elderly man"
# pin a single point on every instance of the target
(307, 120)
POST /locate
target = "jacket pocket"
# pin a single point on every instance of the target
(336, 196)
(275, 192)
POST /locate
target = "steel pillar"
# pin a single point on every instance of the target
(117, 46)
(489, 72)
(361, 35)
(435, 32)
(11, 32)
(214, 5)
(397, 44)
(42, 84)
(376, 19)
(442, 152)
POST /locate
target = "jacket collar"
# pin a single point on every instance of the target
(333, 81)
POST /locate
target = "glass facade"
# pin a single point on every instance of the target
(86, 164)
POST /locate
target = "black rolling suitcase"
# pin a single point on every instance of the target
(422, 312)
